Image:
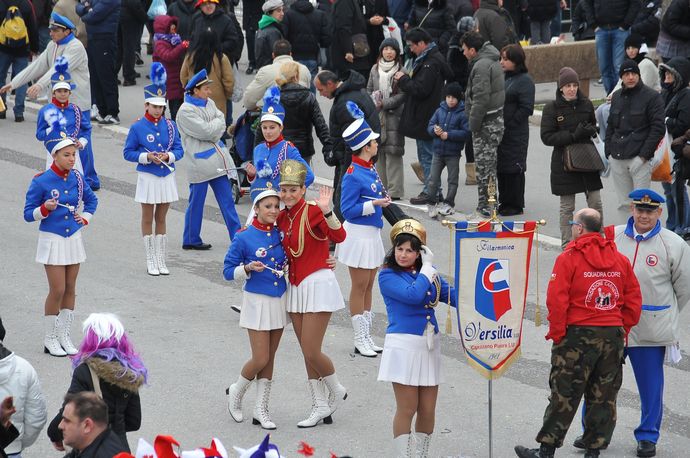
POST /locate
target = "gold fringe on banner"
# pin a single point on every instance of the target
(498, 373)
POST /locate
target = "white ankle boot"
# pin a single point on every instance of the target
(151, 261)
(235, 394)
(359, 325)
(423, 441)
(369, 317)
(64, 330)
(319, 406)
(404, 446)
(161, 253)
(50, 341)
(337, 393)
(263, 393)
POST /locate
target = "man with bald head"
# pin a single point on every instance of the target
(593, 300)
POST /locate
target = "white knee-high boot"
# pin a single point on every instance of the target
(319, 406)
(404, 446)
(337, 393)
(423, 442)
(369, 316)
(162, 253)
(263, 393)
(235, 394)
(151, 261)
(64, 330)
(50, 341)
(359, 325)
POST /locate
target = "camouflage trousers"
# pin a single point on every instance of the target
(589, 361)
(485, 145)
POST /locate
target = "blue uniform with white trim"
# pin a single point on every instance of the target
(359, 182)
(267, 160)
(258, 242)
(66, 188)
(147, 136)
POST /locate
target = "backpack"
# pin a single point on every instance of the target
(13, 32)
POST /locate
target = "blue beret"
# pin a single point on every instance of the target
(61, 21)
(197, 80)
(646, 198)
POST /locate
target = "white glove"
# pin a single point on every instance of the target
(427, 255)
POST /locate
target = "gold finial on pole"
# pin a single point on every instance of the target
(491, 191)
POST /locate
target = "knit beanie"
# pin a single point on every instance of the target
(634, 40)
(629, 65)
(566, 76)
(453, 89)
(466, 24)
(393, 43)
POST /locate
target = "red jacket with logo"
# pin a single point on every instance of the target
(592, 284)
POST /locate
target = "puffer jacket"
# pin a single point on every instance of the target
(19, 379)
(485, 91)
(120, 388)
(454, 122)
(519, 106)
(677, 97)
(200, 130)
(392, 139)
(665, 284)
(493, 23)
(647, 22)
(226, 28)
(558, 122)
(611, 13)
(265, 38)
(307, 29)
(439, 23)
(636, 123)
(541, 10)
(302, 112)
(171, 56)
(101, 17)
(424, 89)
(348, 20)
(184, 12)
(351, 89)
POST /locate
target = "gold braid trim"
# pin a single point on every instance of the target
(333, 222)
(304, 222)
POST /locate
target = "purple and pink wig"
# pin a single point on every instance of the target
(105, 338)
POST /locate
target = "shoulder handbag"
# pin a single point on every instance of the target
(360, 43)
(582, 157)
(96, 382)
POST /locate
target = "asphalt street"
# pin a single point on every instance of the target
(190, 340)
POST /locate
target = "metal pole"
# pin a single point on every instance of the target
(491, 452)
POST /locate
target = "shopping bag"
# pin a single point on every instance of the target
(157, 8)
(661, 162)
(599, 144)
(392, 30)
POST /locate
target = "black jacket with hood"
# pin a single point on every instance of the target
(302, 113)
(226, 28)
(307, 29)
(439, 22)
(611, 13)
(184, 12)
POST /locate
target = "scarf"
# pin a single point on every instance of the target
(421, 57)
(266, 20)
(172, 38)
(386, 71)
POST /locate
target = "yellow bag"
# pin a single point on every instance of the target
(661, 162)
(13, 32)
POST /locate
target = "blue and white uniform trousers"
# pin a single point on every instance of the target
(195, 210)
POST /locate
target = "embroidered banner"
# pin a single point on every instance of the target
(491, 276)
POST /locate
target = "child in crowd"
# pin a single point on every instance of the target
(449, 127)
(154, 144)
(169, 49)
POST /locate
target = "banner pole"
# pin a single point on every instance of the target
(491, 451)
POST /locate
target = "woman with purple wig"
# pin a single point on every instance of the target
(107, 359)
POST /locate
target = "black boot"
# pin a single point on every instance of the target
(592, 453)
(646, 448)
(579, 443)
(545, 451)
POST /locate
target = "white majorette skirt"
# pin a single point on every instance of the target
(319, 292)
(56, 250)
(408, 360)
(152, 189)
(263, 313)
(362, 247)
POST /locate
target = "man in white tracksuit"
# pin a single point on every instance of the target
(661, 261)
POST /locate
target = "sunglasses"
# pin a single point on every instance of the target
(575, 223)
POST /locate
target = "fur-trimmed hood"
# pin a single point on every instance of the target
(115, 373)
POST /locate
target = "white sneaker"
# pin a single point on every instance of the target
(432, 210)
(94, 112)
(446, 209)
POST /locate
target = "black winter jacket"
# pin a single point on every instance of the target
(676, 20)
(457, 61)
(559, 120)
(106, 445)
(120, 393)
(352, 89)
(677, 97)
(7, 436)
(375, 32)
(265, 39)
(348, 20)
(519, 106)
(251, 13)
(541, 10)
(440, 22)
(647, 23)
(579, 27)
(611, 13)
(636, 122)
(226, 28)
(133, 12)
(424, 92)
(184, 12)
(302, 112)
(307, 29)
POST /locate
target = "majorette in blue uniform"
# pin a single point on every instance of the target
(150, 136)
(263, 302)
(269, 156)
(59, 241)
(411, 352)
(361, 199)
(78, 126)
